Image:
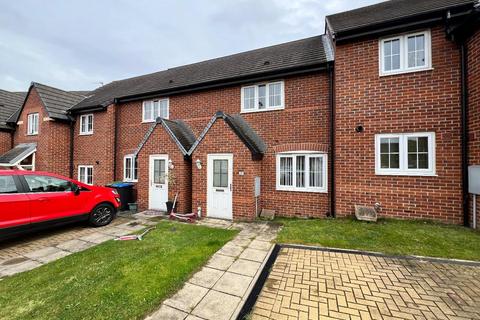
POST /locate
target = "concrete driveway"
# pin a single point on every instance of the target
(320, 284)
(27, 252)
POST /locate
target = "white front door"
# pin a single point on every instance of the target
(158, 181)
(219, 186)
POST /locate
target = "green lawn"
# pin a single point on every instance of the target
(388, 236)
(115, 280)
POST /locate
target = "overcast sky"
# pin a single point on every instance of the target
(78, 44)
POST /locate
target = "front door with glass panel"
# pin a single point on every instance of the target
(219, 182)
(158, 194)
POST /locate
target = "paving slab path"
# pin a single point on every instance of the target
(321, 284)
(219, 290)
(31, 251)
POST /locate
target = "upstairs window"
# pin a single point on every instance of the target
(86, 124)
(152, 109)
(130, 168)
(263, 97)
(32, 124)
(405, 53)
(85, 174)
(302, 172)
(405, 154)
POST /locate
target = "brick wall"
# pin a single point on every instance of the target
(474, 104)
(414, 102)
(53, 139)
(5, 141)
(96, 149)
(304, 120)
(160, 143)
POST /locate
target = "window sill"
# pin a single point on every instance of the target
(32, 134)
(302, 190)
(262, 110)
(407, 174)
(387, 74)
(86, 134)
(132, 181)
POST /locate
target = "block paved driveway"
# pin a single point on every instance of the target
(314, 284)
(27, 252)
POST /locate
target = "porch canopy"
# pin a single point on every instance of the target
(21, 157)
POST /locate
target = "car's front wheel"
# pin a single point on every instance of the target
(102, 215)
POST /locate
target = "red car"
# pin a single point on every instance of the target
(30, 200)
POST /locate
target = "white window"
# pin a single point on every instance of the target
(405, 154)
(152, 109)
(303, 171)
(130, 170)
(32, 125)
(85, 174)
(405, 53)
(263, 97)
(86, 124)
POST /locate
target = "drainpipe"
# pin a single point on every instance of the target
(464, 115)
(115, 141)
(70, 160)
(331, 103)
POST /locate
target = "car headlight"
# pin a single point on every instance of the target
(115, 192)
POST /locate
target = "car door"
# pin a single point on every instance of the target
(14, 203)
(52, 198)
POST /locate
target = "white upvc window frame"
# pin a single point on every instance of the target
(33, 123)
(133, 177)
(85, 179)
(84, 119)
(307, 188)
(152, 118)
(267, 96)
(404, 53)
(403, 155)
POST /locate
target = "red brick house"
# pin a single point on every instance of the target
(10, 102)
(42, 130)
(398, 108)
(282, 86)
(383, 108)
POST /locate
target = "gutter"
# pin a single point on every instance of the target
(331, 103)
(464, 134)
(115, 142)
(70, 164)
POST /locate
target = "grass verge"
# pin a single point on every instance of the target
(114, 280)
(397, 237)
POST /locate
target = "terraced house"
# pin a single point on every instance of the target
(383, 108)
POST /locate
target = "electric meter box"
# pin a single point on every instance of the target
(474, 179)
(257, 186)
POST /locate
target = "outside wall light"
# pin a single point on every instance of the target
(198, 163)
(170, 164)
